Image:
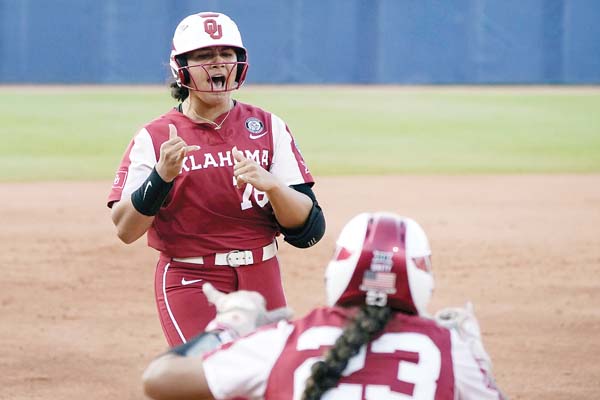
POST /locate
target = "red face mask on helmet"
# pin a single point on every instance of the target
(381, 259)
(204, 30)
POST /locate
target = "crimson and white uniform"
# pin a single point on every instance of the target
(412, 358)
(205, 216)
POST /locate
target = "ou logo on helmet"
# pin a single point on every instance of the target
(213, 29)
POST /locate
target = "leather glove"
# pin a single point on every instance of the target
(463, 320)
(241, 312)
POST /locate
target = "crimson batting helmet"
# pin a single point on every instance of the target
(381, 259)
(207, 29)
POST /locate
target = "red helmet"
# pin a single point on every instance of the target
(381, 259)
(207, 29)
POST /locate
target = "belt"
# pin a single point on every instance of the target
(234, 258)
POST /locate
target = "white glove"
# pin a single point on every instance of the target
(466, 325)
(241, 312)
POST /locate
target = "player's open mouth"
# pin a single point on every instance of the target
(217, 81)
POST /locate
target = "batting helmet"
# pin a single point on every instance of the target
(381, 259)
(207, 29)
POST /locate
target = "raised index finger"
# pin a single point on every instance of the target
(237, 155)
(172, 131)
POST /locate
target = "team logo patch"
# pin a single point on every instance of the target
(120, 179)
(254, 125)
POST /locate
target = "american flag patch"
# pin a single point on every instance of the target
(380, 281)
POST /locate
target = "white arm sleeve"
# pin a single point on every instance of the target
(472, 381)
(242, 369)
(143, 159)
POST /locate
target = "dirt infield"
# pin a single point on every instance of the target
(78, 318)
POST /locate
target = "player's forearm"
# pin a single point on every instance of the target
(291, 207)
(131, 225)
(173, 377)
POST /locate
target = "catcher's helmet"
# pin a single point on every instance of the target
(381, 259)
(207, 29)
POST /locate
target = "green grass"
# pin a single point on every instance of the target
(81, 133)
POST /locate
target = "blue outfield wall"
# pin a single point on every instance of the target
(311, 41)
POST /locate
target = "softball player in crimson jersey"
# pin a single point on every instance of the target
(213, 182)
(373, 341)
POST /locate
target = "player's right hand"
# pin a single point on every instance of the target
(172, 153)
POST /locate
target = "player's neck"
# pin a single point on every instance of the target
(199, 110)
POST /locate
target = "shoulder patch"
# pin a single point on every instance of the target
(120, 179)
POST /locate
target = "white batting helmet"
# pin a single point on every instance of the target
(381, 259)
(206, 29)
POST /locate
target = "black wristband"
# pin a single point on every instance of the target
(148, 198)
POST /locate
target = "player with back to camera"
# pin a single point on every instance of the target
(213, 182)
(373, 341)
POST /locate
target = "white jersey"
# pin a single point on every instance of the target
(412, 359)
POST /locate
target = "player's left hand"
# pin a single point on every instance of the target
(241, 312)
(247, 170)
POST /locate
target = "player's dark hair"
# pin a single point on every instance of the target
(179, 93)
(325, 375)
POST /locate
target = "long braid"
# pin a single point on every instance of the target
(326, 374)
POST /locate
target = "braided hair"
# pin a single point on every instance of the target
(325, 375)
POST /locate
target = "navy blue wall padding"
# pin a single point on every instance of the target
(311, 41)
